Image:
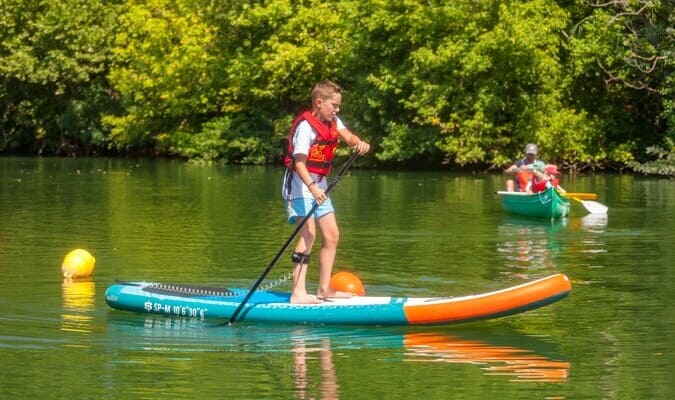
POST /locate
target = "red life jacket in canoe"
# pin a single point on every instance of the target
(540, 185)
(322, 151)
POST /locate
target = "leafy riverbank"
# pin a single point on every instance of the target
(441, 84)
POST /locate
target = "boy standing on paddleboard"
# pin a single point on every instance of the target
(312, 141)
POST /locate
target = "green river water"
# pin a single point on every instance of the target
(403, 233)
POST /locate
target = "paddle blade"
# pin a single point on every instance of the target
(594, 207)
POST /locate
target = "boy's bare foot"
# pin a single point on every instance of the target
(334, 294)
(305, 299)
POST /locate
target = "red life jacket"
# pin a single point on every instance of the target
(322, 151)
(539, 185)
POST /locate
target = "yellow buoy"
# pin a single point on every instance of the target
(78, 264)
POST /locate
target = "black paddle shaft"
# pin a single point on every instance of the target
(283, 248)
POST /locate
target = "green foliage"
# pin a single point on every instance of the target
(461, 83)
(405, 142)
(618, 59)
(220, 139)
(53, 60)
(163, 71)
(209, 144)
(664, 164)
(484, 76)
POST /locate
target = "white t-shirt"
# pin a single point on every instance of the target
(302, 140)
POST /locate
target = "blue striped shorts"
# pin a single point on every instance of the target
(298, 208)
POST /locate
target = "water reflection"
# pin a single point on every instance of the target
(303, 355)
(529, 243)
(594, 223)
(520, 364)
(588, 235)
(78, 306)
(520, 358)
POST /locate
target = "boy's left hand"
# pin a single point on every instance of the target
(362, 147)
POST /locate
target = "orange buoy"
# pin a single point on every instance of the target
(347, 282)
(78, 264)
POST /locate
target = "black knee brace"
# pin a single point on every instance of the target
(300, 258)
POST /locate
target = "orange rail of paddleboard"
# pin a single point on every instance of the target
(505, 301)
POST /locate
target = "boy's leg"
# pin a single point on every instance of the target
(330, 235)
(303, 249)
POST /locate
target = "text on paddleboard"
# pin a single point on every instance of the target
(182, 311)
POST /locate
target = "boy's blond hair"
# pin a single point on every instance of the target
(324, 90)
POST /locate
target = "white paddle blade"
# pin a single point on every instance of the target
(594, 207)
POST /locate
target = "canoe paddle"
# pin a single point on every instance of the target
(591, 206)
(283, 248)
(586, 200)
(582, 196)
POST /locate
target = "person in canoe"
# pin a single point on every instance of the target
(521, 169)
(544, 176)
(312, 141)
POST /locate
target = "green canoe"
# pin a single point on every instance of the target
(547, 204)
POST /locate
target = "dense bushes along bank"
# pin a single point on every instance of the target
(434, 83)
